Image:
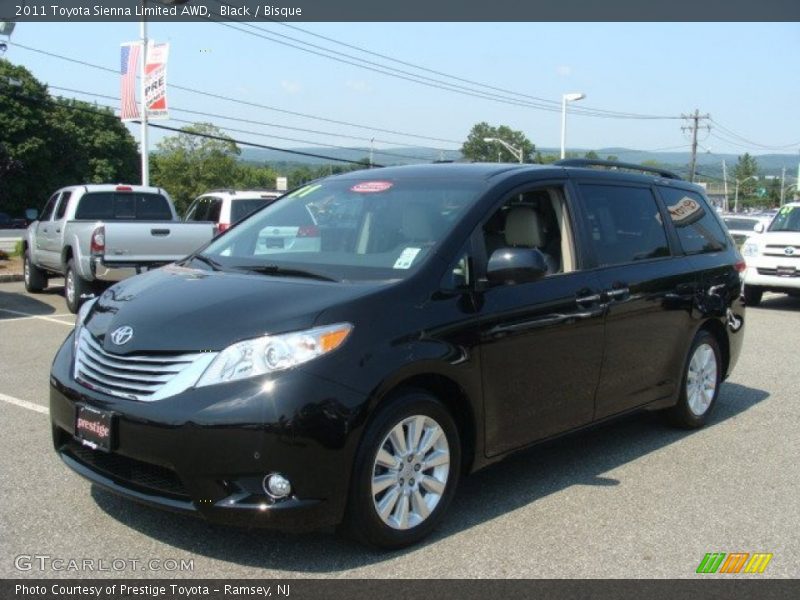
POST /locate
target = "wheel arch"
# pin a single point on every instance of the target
(717, 329)
(450, 393)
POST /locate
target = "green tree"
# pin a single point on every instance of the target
(200, 158)
(476, 149)
(592, 155)
(47, 143)
(613, 157)
(744, 171)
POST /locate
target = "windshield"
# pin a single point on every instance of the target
(347, 229)
(787, 219)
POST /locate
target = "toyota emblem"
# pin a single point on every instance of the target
(789, 250)
(122, 335)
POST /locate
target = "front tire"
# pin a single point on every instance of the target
(75, 287)
(35, 278)
(752, 295)
(406, 472)
(700, 384)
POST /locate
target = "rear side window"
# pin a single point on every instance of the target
(624, 223)
(48, 208)
(697, 227)
(134, 206)
(240, 208)
(62, 207)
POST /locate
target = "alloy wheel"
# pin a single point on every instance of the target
(701, 379)
(410, 472)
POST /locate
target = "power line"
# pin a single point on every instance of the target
(752, 143)
(109, 113)
(538, 104)
(552, 104)
(244, 102)
(254, 122)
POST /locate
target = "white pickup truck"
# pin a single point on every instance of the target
(95, 234)
(773, 256)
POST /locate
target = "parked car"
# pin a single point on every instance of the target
(773, 256)
(95, 234)
(224, 208)
(742, 226)
(452, 314)
(6, 222)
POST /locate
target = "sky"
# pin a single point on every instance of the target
(745, 75)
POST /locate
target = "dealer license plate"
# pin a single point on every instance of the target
(93, 427)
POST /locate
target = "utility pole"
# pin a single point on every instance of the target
(725, 184)
(371, 151)
(693, 127)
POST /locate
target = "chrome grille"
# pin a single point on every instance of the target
(136, 376)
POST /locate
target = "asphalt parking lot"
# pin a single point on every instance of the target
(629, 499)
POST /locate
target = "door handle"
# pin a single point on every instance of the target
(588, 299)
(159, 232)
(58, 231)
(617, 293)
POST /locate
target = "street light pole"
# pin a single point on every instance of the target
(145, 145)
(574, 97)
(517, 152)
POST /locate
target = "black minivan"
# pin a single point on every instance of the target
(346, 354)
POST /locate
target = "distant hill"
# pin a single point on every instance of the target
(710, 164)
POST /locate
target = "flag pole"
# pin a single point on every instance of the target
(145, 149)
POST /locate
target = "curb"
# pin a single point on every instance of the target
(7, 277)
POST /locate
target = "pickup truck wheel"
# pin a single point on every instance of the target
(35, 278)
(75, 287)
(752, 295)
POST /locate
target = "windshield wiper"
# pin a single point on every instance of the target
(209, 261)
(278, 270)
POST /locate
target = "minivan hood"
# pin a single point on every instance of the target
(177, 309)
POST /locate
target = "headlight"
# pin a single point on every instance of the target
(273, 353)
(80, 318)
(750, 249)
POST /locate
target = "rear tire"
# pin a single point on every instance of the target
(752, 295)
(401, 488)
(35, 278)
(702, 376)
(75, 287)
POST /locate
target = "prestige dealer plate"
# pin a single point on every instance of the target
(93, 427)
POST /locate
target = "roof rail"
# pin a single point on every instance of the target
(592, 162)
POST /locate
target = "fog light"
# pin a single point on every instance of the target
(277, 486)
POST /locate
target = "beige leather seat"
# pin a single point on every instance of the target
(524, 229)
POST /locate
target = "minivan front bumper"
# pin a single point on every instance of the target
(206, 451)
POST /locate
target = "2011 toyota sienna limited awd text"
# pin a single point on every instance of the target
(418, 324)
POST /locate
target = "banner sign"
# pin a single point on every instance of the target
(129, 59)
(155, 81)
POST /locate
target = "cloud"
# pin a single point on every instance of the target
(564, 70)
(291, 87)
(359, 86)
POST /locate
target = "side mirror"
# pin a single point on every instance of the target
(31, 214)
(516, 265)
(758, 227)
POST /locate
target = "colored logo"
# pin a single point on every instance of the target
(735, 562)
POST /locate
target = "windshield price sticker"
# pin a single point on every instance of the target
(406, 258)
(371, 187)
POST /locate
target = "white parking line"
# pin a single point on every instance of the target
(25, 404)
(24, 316)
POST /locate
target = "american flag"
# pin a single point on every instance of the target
(129, 58)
